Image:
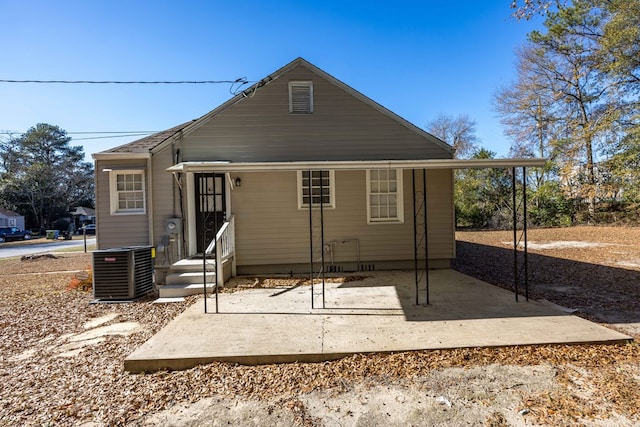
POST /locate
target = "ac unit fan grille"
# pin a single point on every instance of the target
(122, 274)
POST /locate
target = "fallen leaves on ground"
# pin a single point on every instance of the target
(241, 283)
(593, 381)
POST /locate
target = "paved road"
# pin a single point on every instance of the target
(11, 251)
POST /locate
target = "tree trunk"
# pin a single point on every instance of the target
(591, 177)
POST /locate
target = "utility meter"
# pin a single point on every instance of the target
(173, 225)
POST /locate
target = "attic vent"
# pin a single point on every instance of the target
(300, 97)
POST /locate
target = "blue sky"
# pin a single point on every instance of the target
(417, 58)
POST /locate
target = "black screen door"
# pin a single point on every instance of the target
(210, 207)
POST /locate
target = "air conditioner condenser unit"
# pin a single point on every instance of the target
(122, 273)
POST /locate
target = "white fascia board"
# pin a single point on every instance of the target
(355, 165)
(498, 163)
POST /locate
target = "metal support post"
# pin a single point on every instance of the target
(322, 233)
(415, 235)
(420, 234)
(520, 234)
(515, 232)
(215, 238)
(426, 232)
(203, 202)
(310, 239)
(524, 228)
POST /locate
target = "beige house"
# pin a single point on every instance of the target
(298, 173)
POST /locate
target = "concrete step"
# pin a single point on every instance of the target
(185, 265)
(173, 291)
(186, 278)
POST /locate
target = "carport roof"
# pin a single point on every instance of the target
(225, 166)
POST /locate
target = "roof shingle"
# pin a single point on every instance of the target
(7, 212)
(148, 143)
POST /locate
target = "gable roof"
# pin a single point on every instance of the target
(148, 143)
(81, 210)
(157, 140)
(7, 212)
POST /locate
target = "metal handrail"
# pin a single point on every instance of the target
(224, 245)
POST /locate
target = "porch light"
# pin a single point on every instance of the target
(238, 182)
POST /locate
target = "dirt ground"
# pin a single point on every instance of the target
(594, 270)
(61, 359)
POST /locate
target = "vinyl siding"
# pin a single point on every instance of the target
(165, 198)
(270, 229)
(115, 231)
(342, 127)
(5, 221)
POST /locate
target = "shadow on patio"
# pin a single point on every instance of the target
(261, 326)
(598, 292)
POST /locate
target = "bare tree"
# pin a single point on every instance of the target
(459, 132)
(567, 62)
(527, 113)
(563, 103)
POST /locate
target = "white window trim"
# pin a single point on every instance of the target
(113, 193)
(399, 197)
(332, 192)
(308, 84)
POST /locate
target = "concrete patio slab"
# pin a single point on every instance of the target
(376, 314)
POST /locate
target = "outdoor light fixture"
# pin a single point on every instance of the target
(238, 182)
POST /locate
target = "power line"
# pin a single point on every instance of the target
(138, 132)
(105, 134)
(242, 80)
(106, 137)
(234, 89)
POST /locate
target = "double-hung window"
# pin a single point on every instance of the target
(127, 192)
(314, 186)
(384, 196)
